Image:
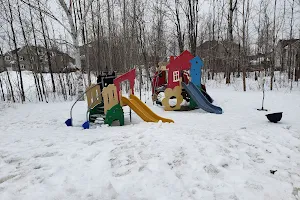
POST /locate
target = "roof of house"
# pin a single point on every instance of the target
(218, 46)
(32, 48)
(208, 45)
(285, 43)
(12, 51)
(211, 44)
(259, 55)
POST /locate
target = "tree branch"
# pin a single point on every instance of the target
(48, 14)
(234, 7)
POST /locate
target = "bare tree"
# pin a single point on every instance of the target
(36, 57)
(8, 78)
(246, 14)
(16, 49)
(75, 31)
(158, 34)
(2, 92)
(290, 54)
(274, 50)
(38, 89)
(180, 34)
(47, 48)
(232, 7)
(109, 34)
(124, 34)
(192, 23)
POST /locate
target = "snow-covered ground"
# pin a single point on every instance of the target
(200, 156)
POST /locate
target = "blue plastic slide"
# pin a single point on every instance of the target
(200, 99)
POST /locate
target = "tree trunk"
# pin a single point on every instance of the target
(29, 54)
(273, 55)
(124, 35)
(37, 58)
(75, 38)
(192, 17)
(3, 96)
(47, 49)
(232, 7)
(17, 54)
(109, 35)
(290, 72)
(180, 36)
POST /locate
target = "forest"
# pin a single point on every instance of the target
(72, 39)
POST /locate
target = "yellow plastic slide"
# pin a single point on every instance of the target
(143, 110)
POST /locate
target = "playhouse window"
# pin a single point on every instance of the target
(176, 76)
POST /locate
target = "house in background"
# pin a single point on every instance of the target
(288, 57)
(284, 50)
(32, 61)
(2, 68)
(215, 54)
(259, 62)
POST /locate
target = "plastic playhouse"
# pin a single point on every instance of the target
(180, 79)
(105, 101)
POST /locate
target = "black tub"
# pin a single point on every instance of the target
(274, 117)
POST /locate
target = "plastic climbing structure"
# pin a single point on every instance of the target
(106, 104)
(180, 79)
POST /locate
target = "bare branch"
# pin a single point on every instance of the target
(46, 13)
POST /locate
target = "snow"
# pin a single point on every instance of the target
(200, 156)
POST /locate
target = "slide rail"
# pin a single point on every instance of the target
(141, 109)
(200, 99)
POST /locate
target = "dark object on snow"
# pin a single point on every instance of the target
(158, 102)
(273, 171)
(274, 117)
(106, 79)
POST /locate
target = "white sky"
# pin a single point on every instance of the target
(205, 8)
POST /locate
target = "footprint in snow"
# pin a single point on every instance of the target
(12, 160)
(92, 156)
(6, 178)
(211, 169)
(179, 158)
(287, 127)
(90, 143)
(122, 165)
(256, 157)
(45, 155)
(120, 149)
(3, 154)
(119, 174)
(253, 186)
(37, 167)
(145, 156)
(49, 145)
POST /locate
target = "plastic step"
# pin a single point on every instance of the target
(99, 109)
(95, 116)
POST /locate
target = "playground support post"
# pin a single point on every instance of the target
(262, 105)
(140, 83)
(130, 114)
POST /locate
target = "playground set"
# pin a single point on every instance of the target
(181, 79)
(105, 101)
